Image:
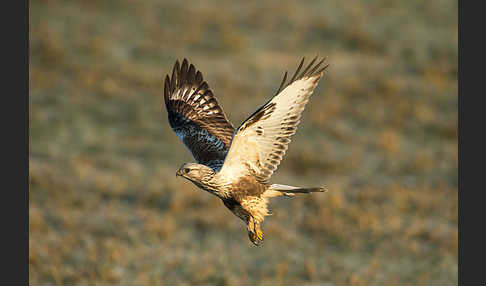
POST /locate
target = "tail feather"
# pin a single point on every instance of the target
(290, 191)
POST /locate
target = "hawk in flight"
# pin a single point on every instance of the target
(236, 164)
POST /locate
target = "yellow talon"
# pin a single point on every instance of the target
(259, 234)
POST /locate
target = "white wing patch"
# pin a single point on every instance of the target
(261, 141)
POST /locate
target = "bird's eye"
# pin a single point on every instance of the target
(186, 170)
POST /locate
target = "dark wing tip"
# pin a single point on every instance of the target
(185, 63)
(283, 82)
(311, 70)
(322, 69)
(182, 74)
(166, 89)
(309, 65)
(298, 69)
(175, 72)
(199, 77)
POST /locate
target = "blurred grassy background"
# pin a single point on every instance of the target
(380, 132)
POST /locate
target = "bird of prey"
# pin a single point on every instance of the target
(236, 164)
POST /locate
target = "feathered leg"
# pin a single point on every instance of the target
(253, 226)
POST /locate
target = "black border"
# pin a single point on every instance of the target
(15, 141)
(470, 142)
(15, 231)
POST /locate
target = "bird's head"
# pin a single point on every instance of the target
(195, 172)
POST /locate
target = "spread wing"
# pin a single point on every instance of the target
(261, 141)
(196, 117)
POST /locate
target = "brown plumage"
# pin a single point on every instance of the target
(236, 165)
(196, 116)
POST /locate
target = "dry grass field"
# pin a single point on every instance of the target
(380, 131)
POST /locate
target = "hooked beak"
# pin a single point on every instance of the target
(178, 173)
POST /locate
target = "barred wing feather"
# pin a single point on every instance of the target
(196, 117)
(259, 144)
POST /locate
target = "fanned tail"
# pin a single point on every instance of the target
(290, 191)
